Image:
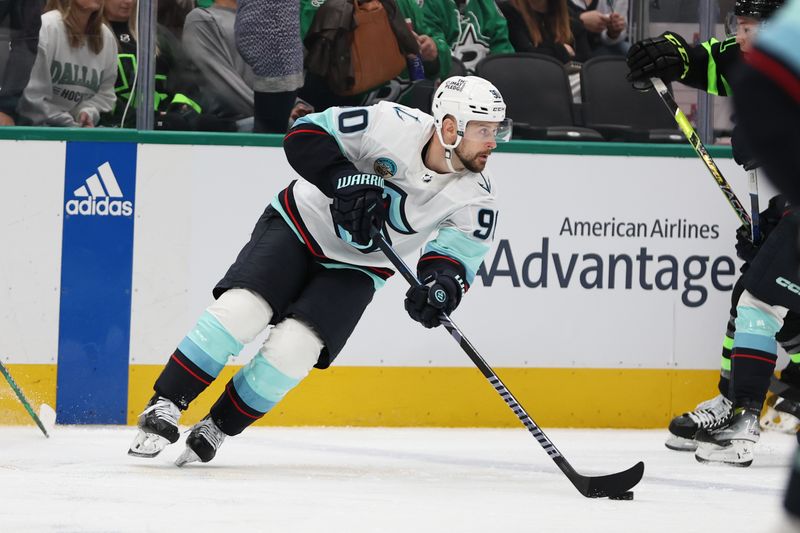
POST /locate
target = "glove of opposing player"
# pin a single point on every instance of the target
(440, 293)
(358, 206)
(659, 57)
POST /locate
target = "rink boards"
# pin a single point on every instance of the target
(601, 304)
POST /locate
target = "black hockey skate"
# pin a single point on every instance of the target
(732, 443)
(710, 414)
(158, 427)
(202, 444)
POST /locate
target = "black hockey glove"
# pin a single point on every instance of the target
(662, 57)
(438, 293)
(746, 250)
(358, 205)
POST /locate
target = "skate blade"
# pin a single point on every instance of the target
(779, 421)
(147, 445)
(188, 456)
(737, 453)
(680, 444)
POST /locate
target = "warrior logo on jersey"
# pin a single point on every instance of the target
(385, 167)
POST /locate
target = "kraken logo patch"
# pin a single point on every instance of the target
(385, 167)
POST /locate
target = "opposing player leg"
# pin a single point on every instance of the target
(317, 326)
(783, 406)
(714, 412)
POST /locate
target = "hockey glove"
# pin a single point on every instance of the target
(770, 217)
(439, 293)
(358, 206)
(662, 57)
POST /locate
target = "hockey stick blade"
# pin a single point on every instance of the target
(604, 486)
(591, 487)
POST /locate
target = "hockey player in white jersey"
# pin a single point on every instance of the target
(311, 268)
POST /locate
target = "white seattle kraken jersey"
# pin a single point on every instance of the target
(453, 214)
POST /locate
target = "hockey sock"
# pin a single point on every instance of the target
(725, 367)
(288, 354)
(249, 395)
(199, 359)
(272, 111)
(791, 374)
(753, 355)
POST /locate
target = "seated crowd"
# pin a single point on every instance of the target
(74, 63)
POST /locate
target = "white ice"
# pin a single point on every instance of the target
(379, 480)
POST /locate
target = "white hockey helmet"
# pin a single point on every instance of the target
(468, 98)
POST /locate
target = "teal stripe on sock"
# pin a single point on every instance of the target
(261, 385)
(213, 339)
(197, 356)
(756, 342)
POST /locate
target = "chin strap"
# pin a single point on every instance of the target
(449, 149)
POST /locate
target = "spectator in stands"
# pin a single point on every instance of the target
(605, 24)
(22, 18)
(316, 96)
(545, 27)
(227, 80)
(472, 29)
(176, 98)
(172, 13)
(73, 76)
(268, 38)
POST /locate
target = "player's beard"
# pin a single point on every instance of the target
(472, 161)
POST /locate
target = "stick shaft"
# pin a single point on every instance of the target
(22, 399)
(694, 139)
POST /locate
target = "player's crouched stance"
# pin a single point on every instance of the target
(311, 268)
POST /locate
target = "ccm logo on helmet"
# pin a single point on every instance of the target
(793, 287)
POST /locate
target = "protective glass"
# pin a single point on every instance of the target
(489, 131)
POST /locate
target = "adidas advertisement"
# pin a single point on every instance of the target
(96, 279)
(100, 195)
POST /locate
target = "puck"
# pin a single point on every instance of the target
(627, 495)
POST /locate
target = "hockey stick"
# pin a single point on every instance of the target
(591, 487)
(697, 144)
(25, 404)
(752, 177)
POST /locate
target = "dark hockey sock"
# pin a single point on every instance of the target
(271, 113)
(231, 413)
(791, 374)
(752, 370)
(725, 368)
(181, 381)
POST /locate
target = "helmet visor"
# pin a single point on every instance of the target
(488, 131)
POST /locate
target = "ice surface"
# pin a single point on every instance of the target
(379, 480)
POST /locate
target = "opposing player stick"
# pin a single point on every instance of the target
(697, 144)
(25, 404)
(591, 487)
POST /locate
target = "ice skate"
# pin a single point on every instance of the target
(202, 444)
(158, 427)
(732, 443)
(782, 415)
(710, 414)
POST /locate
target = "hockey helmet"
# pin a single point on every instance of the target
(757, 9)
(469, 98)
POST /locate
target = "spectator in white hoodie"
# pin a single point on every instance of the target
(73, 77)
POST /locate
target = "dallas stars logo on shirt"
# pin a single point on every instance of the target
(471, 45)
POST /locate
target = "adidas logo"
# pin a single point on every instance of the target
(98, 194)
